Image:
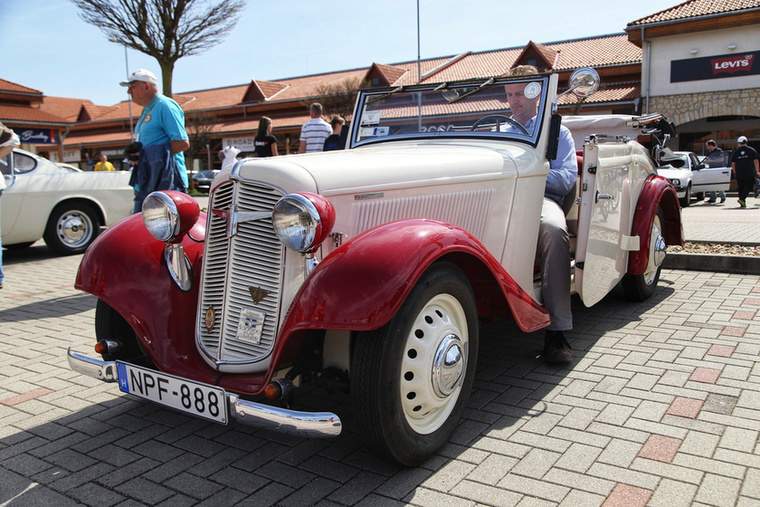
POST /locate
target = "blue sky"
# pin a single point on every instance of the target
(46, 46)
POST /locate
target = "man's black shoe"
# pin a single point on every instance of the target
(556, 348)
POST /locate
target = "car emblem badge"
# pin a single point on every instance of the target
(210, 319)
(257, 294)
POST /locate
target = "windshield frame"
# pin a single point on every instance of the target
(443, 110)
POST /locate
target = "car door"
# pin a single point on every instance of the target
(611, 176)
(711, 175)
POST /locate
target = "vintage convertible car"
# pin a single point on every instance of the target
(66, 207)
(367, 269)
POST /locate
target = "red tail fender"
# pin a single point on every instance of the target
(362, 284)
(657, 192)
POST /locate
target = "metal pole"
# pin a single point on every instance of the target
(131, 128)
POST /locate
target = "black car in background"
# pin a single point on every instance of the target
(202, 179)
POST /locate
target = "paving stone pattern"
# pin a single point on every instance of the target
(661, 406)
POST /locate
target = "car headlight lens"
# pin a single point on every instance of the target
(676, 182)
(168, 215)
(303, 221)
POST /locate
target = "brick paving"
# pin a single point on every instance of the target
(661, 406)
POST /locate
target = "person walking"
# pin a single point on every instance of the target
(104, 165)
(745, 166)
(160, 139)
(712, 146)
(315, 131)
(265, 143)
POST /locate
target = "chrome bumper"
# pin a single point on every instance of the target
(302, 424)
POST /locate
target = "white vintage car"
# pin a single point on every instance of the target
(367, 270)
(693, 178)
(66, 207)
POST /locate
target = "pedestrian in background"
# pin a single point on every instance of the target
(712, 146)
(745, 166)
(104, 164)
(160, 139)
(315, 131)
(333, 142)
(265, 143)
(8, 141)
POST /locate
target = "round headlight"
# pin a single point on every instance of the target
(302, 221)
(168, 215)
(676, 182)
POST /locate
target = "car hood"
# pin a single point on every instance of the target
(393, 165)
(671, 172)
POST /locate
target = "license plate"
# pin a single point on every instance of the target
(200, 400)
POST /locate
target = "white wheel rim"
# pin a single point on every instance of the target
(434, 364)
(74, 229)
(657, 249)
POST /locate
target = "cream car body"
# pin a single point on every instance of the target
(65, 207)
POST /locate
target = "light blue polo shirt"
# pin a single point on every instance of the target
(160, 122)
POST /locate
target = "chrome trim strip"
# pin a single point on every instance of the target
(258, 415)
(179, 266)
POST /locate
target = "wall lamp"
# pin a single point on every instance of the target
(694, 51)
(732, 46)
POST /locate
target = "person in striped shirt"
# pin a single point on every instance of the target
(315, 131)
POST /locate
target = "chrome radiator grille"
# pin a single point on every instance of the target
(238, 270)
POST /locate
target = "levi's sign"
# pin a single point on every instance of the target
(715, 67)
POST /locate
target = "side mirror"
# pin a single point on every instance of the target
(584, 82)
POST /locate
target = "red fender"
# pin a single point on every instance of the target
(657, 191)
(362, 284)
(125, 268)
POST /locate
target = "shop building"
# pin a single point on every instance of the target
(701, 67)
(695, 62)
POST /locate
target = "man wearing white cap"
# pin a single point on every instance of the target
(745, 166)
(162, 129)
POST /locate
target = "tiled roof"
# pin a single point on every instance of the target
(602, 51)
(8, 86)
(28, 114)
(696, 8)
(65, 108)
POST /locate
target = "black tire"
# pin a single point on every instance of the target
(110, 325)
(71, 228)
(406, 408)
(642, 287)
(686, 200)
(700, 196)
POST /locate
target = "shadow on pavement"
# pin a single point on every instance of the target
(120, 448)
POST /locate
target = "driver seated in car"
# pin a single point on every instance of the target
(553, 239)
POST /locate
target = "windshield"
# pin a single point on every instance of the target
(472, 108)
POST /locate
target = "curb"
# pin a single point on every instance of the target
(737, 264)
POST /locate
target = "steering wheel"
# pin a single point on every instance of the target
(499, 118)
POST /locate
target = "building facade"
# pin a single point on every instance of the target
(696, 63)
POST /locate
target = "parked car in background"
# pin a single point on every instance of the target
(719, 160)
(367, 270)
(202, 179)
(695, 178)
(66, 207)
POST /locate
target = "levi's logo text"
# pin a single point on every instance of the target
(732, 64)
(715, 67)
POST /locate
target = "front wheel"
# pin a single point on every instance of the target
(686, 200)
(411, 379)
(642, 287)
(71, 228)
